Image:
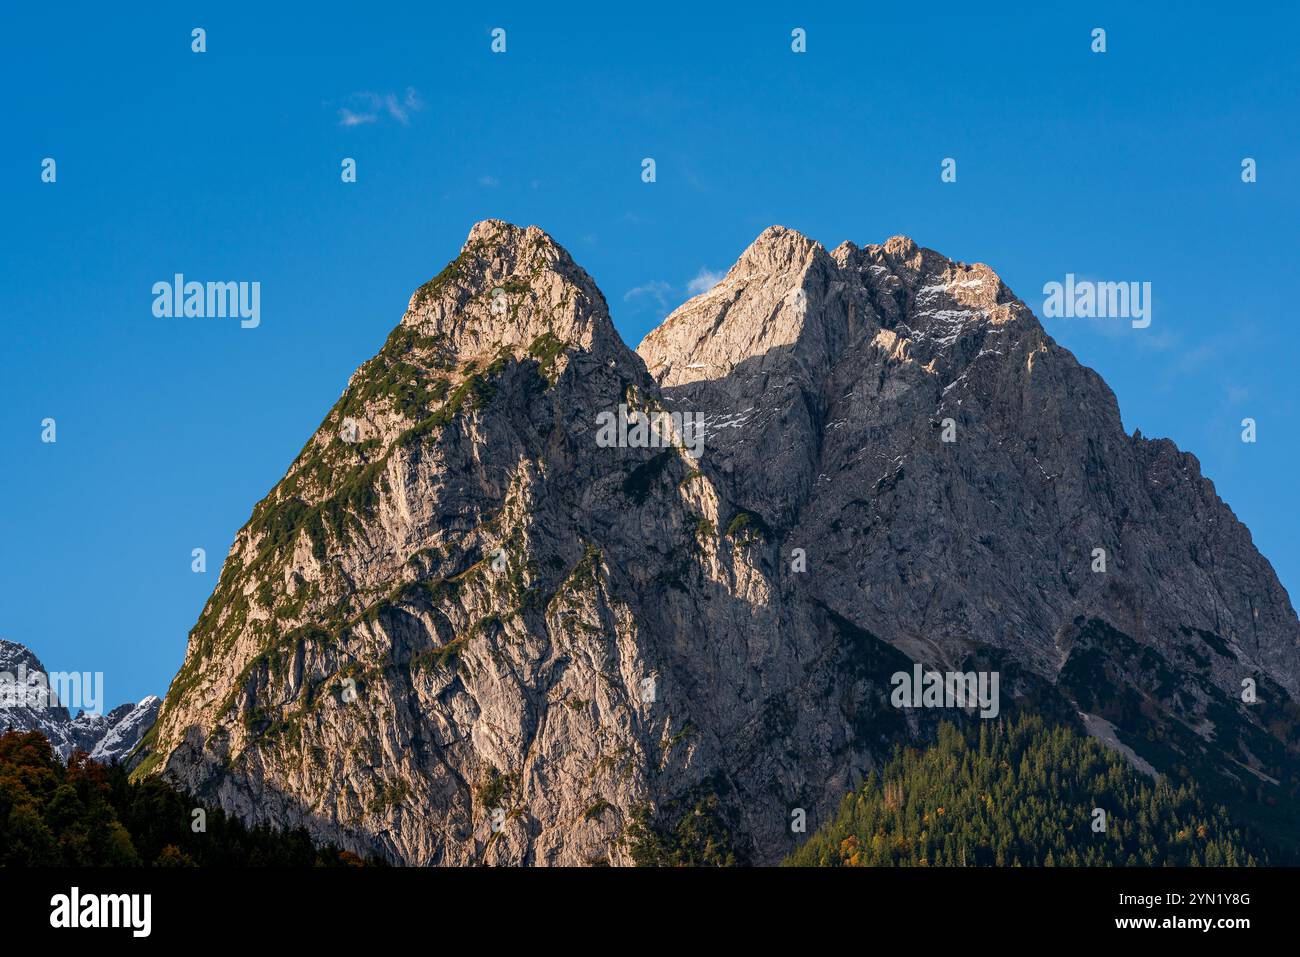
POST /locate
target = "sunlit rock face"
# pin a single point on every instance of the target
(462, 629)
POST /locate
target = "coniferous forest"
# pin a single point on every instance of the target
(1019, 792)
(89, 814)
(1015, 792)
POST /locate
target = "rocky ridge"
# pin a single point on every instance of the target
(26, 704)
(461, 631)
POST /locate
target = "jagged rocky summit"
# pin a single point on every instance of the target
(462, 630)
(27, 704)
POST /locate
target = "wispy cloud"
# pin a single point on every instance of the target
(704, 280)
(488, 181)
(361, 109)
(349, 118)
(666, 294)
(656, 289)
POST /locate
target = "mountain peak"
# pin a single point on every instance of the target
(777, 236)
(489, 230)
(777, 249)
(900, 246)
(29, 702)
(761, 306)
(510, 286)
(502, 237)
(787, 296)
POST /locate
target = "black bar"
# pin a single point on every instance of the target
(191, 907)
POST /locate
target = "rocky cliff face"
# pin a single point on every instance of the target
(464, 628)
(27, 703)
(837, 372)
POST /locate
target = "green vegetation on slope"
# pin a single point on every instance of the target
(89, 814)
(694, 830)
(354, 484)
(1017, 792)
(1142, 693)
(748, 528)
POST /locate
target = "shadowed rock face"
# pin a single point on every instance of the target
(836, 373)
(460, 630)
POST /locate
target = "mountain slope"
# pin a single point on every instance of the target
(1022, 794)
(521, 684)
(984, 546)
(464, 629)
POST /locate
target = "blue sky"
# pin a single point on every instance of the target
(225, 165)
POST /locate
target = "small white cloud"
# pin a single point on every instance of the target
(656, 289)
(488, 181)
(365, 107)
(705, 280)
(400, 110)
(349, 118)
